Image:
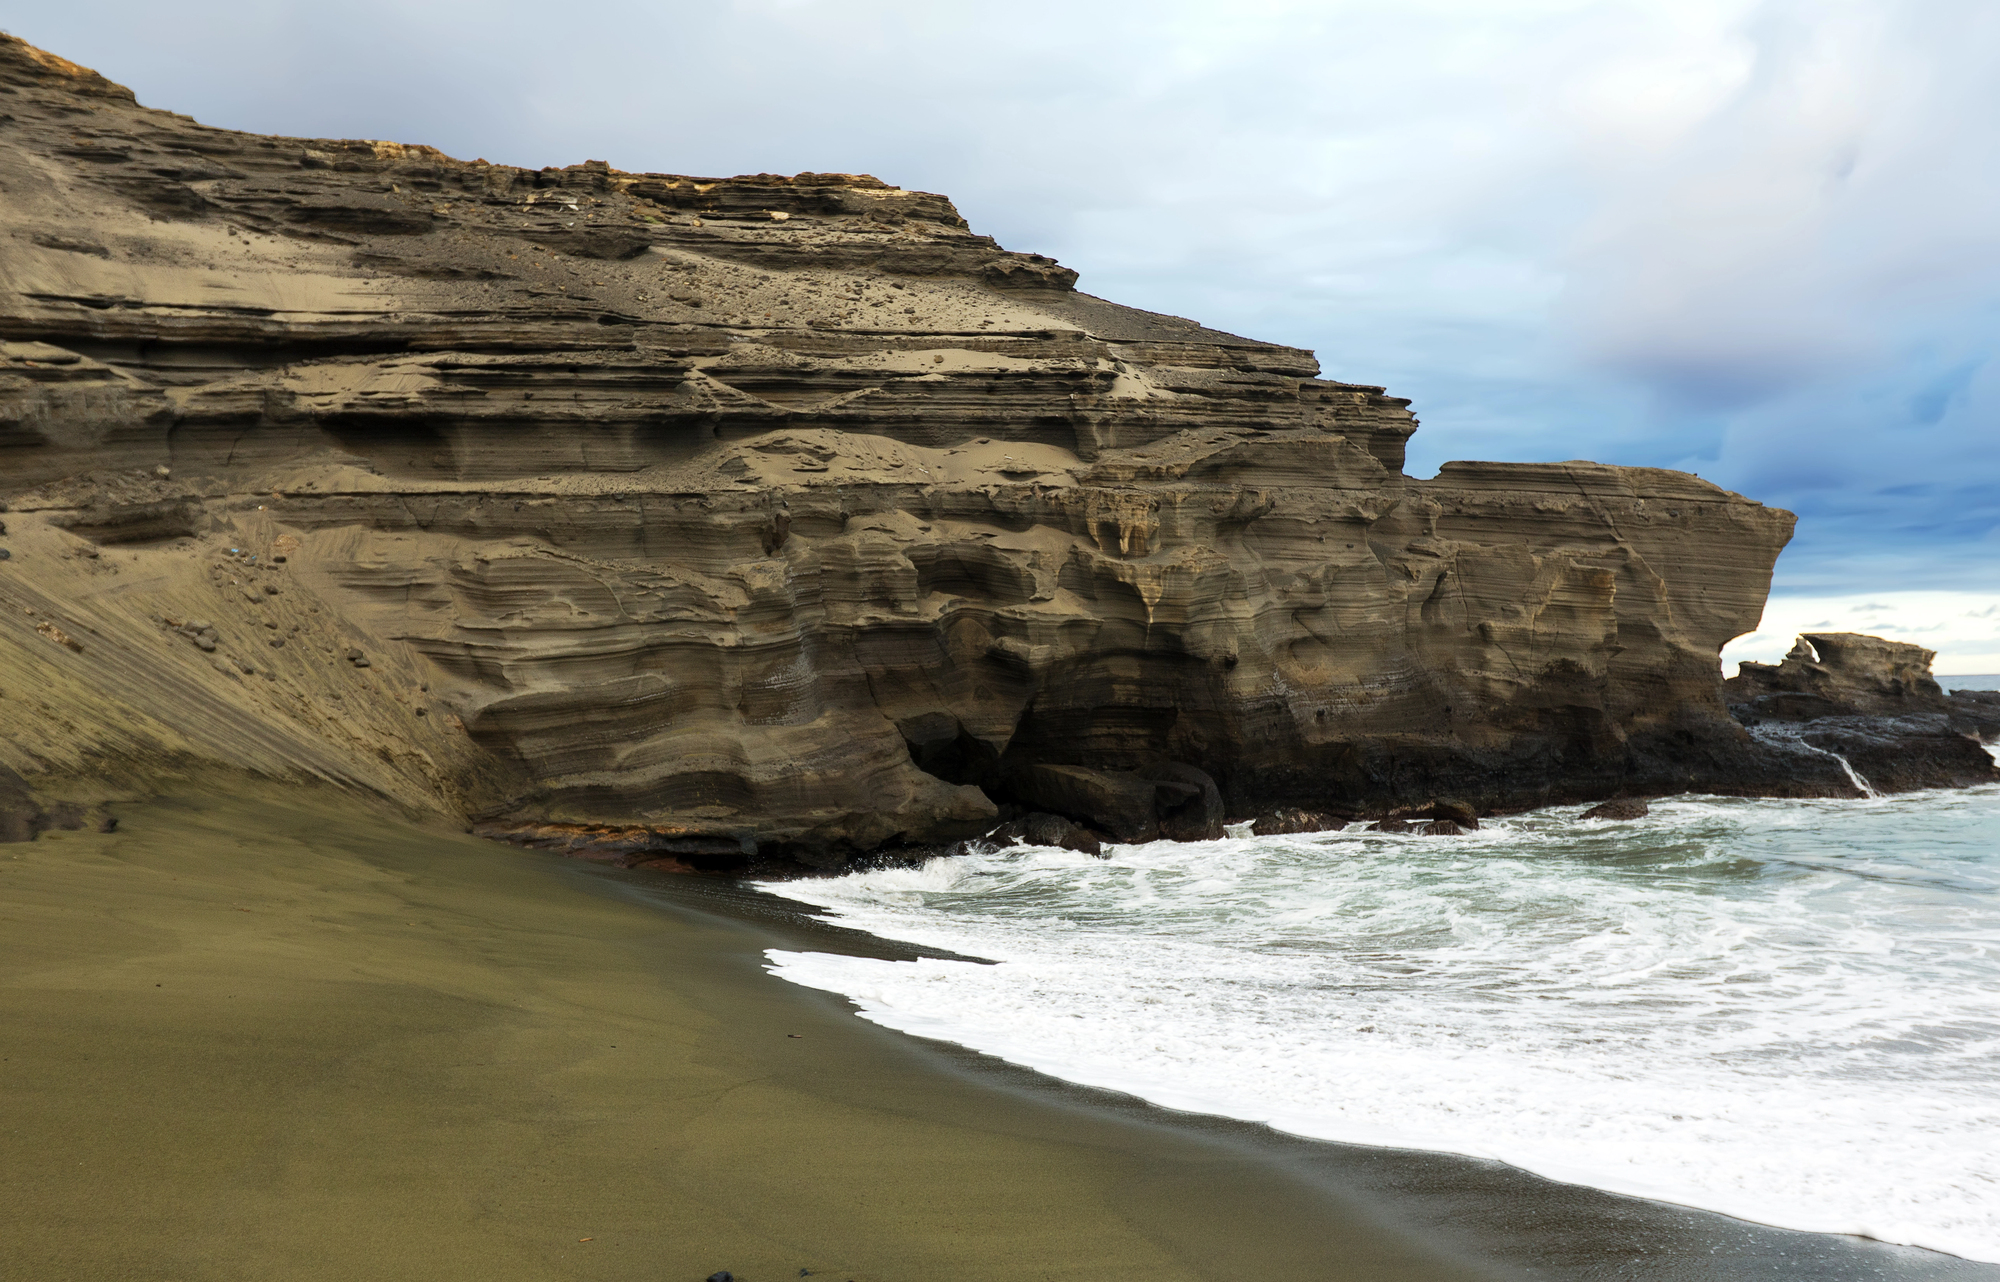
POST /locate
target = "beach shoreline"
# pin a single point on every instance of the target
(281, 1032)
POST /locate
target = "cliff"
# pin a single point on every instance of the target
(693, 517)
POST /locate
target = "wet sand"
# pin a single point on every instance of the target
(279, 1034)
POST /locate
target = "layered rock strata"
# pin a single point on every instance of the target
(1874, 705)
(1838, 674)
(683, 518)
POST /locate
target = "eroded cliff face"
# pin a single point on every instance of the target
(780, 513)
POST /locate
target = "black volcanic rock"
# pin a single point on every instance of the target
(1975, 712)
(1291, 820)
(771, 515)
(1618, 808)
(1047, 830)
(1868, 705)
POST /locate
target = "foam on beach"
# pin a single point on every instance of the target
(1785, 1011)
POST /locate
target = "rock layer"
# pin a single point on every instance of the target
(698, 515)
(1839, 674)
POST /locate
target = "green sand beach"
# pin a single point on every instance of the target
(277, 1033)
(284, 1037)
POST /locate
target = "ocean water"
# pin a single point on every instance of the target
(1786, 1011)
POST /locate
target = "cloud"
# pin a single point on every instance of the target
(1963, 627)
(1756, 239)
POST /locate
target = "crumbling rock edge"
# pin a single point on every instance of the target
(692, 520)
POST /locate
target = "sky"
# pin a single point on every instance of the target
(1758, 240)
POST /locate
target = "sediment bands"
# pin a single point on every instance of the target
(769, 513)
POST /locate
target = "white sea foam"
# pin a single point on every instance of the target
(1785, 1011)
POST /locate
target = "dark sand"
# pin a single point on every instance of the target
(279, 1035)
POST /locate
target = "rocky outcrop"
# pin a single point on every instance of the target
(1047, 830)
(1839, 674)
(1291, 821)
(1976, 712)
(1846, 674)
(1871, 705)
(675, 516)
(1168, 800)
